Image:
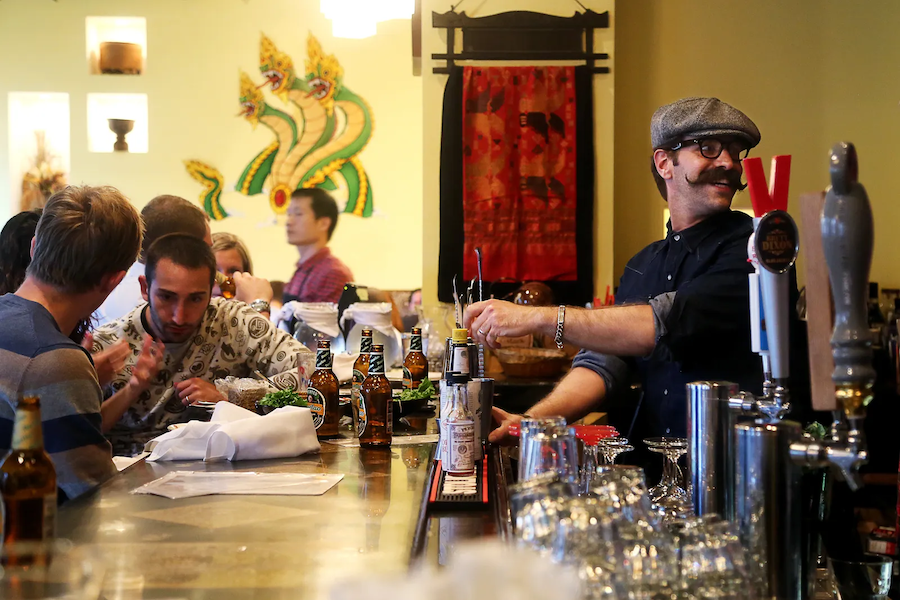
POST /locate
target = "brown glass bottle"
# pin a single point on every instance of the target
(322, 393)
(226, 285)
(28, 480)
(375, 405)
(360, 371)
(415, 366)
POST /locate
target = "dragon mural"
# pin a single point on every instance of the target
(319, 134)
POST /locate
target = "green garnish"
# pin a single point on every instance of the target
(426, 390)
(285, 397)
(815, 430)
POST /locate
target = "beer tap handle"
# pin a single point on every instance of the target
(847, 238)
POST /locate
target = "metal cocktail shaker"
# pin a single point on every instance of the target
(711, 455)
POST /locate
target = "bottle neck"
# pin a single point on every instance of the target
(365, 346)
(323, 358)
(415, 342)
(27, 433)
(376, 363)
(460, 398)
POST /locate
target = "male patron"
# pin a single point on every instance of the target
(85, 241)
(182, 340)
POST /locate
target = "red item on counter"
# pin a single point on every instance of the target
(589, 434)
(775, 196)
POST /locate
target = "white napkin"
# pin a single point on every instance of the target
(321, 316)
(235, 433)
(342, 365)
(376, 315)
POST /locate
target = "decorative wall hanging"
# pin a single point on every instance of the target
(517, 151)
(318, 136)
(43, 179)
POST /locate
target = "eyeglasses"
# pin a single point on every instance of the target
(711, 148)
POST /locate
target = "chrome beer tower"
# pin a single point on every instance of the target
(746, 460)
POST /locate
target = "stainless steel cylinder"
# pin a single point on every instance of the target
(711, 446)
(768, 508)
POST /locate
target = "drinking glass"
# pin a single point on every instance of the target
(52, 570)
(711, 558)
(612, 447)
(527, 429)
(554, 449)
(865, 579)
(669, 497)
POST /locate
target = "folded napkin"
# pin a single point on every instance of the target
(235, 433)
(343, 366)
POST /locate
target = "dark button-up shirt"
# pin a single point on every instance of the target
(696, 282)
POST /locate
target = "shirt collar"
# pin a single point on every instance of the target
(694, 235)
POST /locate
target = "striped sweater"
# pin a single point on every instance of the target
(37, 359)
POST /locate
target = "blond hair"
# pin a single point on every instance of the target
(85, 232)
(223, 241)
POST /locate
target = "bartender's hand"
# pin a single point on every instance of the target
(195, 390)
(501, 435)
(249, 288)
(491, 319)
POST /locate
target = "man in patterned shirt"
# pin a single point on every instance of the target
(182, 340)
(320, 276)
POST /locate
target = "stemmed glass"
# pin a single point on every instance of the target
(612, 447)
(669, 497)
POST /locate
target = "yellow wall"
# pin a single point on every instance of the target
(809, 73)
(434, 41)
(195, 49)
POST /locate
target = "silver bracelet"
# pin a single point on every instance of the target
(560, 325)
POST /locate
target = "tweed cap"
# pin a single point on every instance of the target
(700, 117)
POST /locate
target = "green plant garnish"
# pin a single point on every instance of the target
(285, 397)
(815, 430)
(425, 390)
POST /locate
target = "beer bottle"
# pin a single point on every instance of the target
(360, 371)
(376, 404)
(322, 393)
(226, 285)
(415, 366)
(460, 431)
(28, 479)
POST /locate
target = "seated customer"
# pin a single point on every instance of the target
(182, 340)
(311, 220)
(15, 249)
(85, 241)
(161, 216)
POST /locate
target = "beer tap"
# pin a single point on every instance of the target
(772, 249)
(847, 238)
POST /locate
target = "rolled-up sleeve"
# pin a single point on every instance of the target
(612, 369)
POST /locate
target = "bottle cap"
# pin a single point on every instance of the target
(367, 332)
(378, 348)
(460, 336)
(416, 331)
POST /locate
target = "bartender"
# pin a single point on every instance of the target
(682, 307)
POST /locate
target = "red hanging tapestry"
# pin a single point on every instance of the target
(519, 172)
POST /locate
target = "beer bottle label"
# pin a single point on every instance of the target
(361, 420)
(415, 343)
(408, 383)
(366, 343)
(27, 433)
(376, 364)
(316, 402)
(355, 396)
(323, 359)
(461, 446)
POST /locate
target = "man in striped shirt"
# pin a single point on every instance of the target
(86, 240)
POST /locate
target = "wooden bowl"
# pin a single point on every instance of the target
(531, 362)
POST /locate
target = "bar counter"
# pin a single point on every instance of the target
(228, 546)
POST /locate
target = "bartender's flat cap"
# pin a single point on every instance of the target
(700, 117)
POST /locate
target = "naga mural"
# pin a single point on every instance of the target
(319, 131)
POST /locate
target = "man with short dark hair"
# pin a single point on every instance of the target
(86, 239)
(163, 215)
(182, 340)
(682, 307)
(311, 220)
